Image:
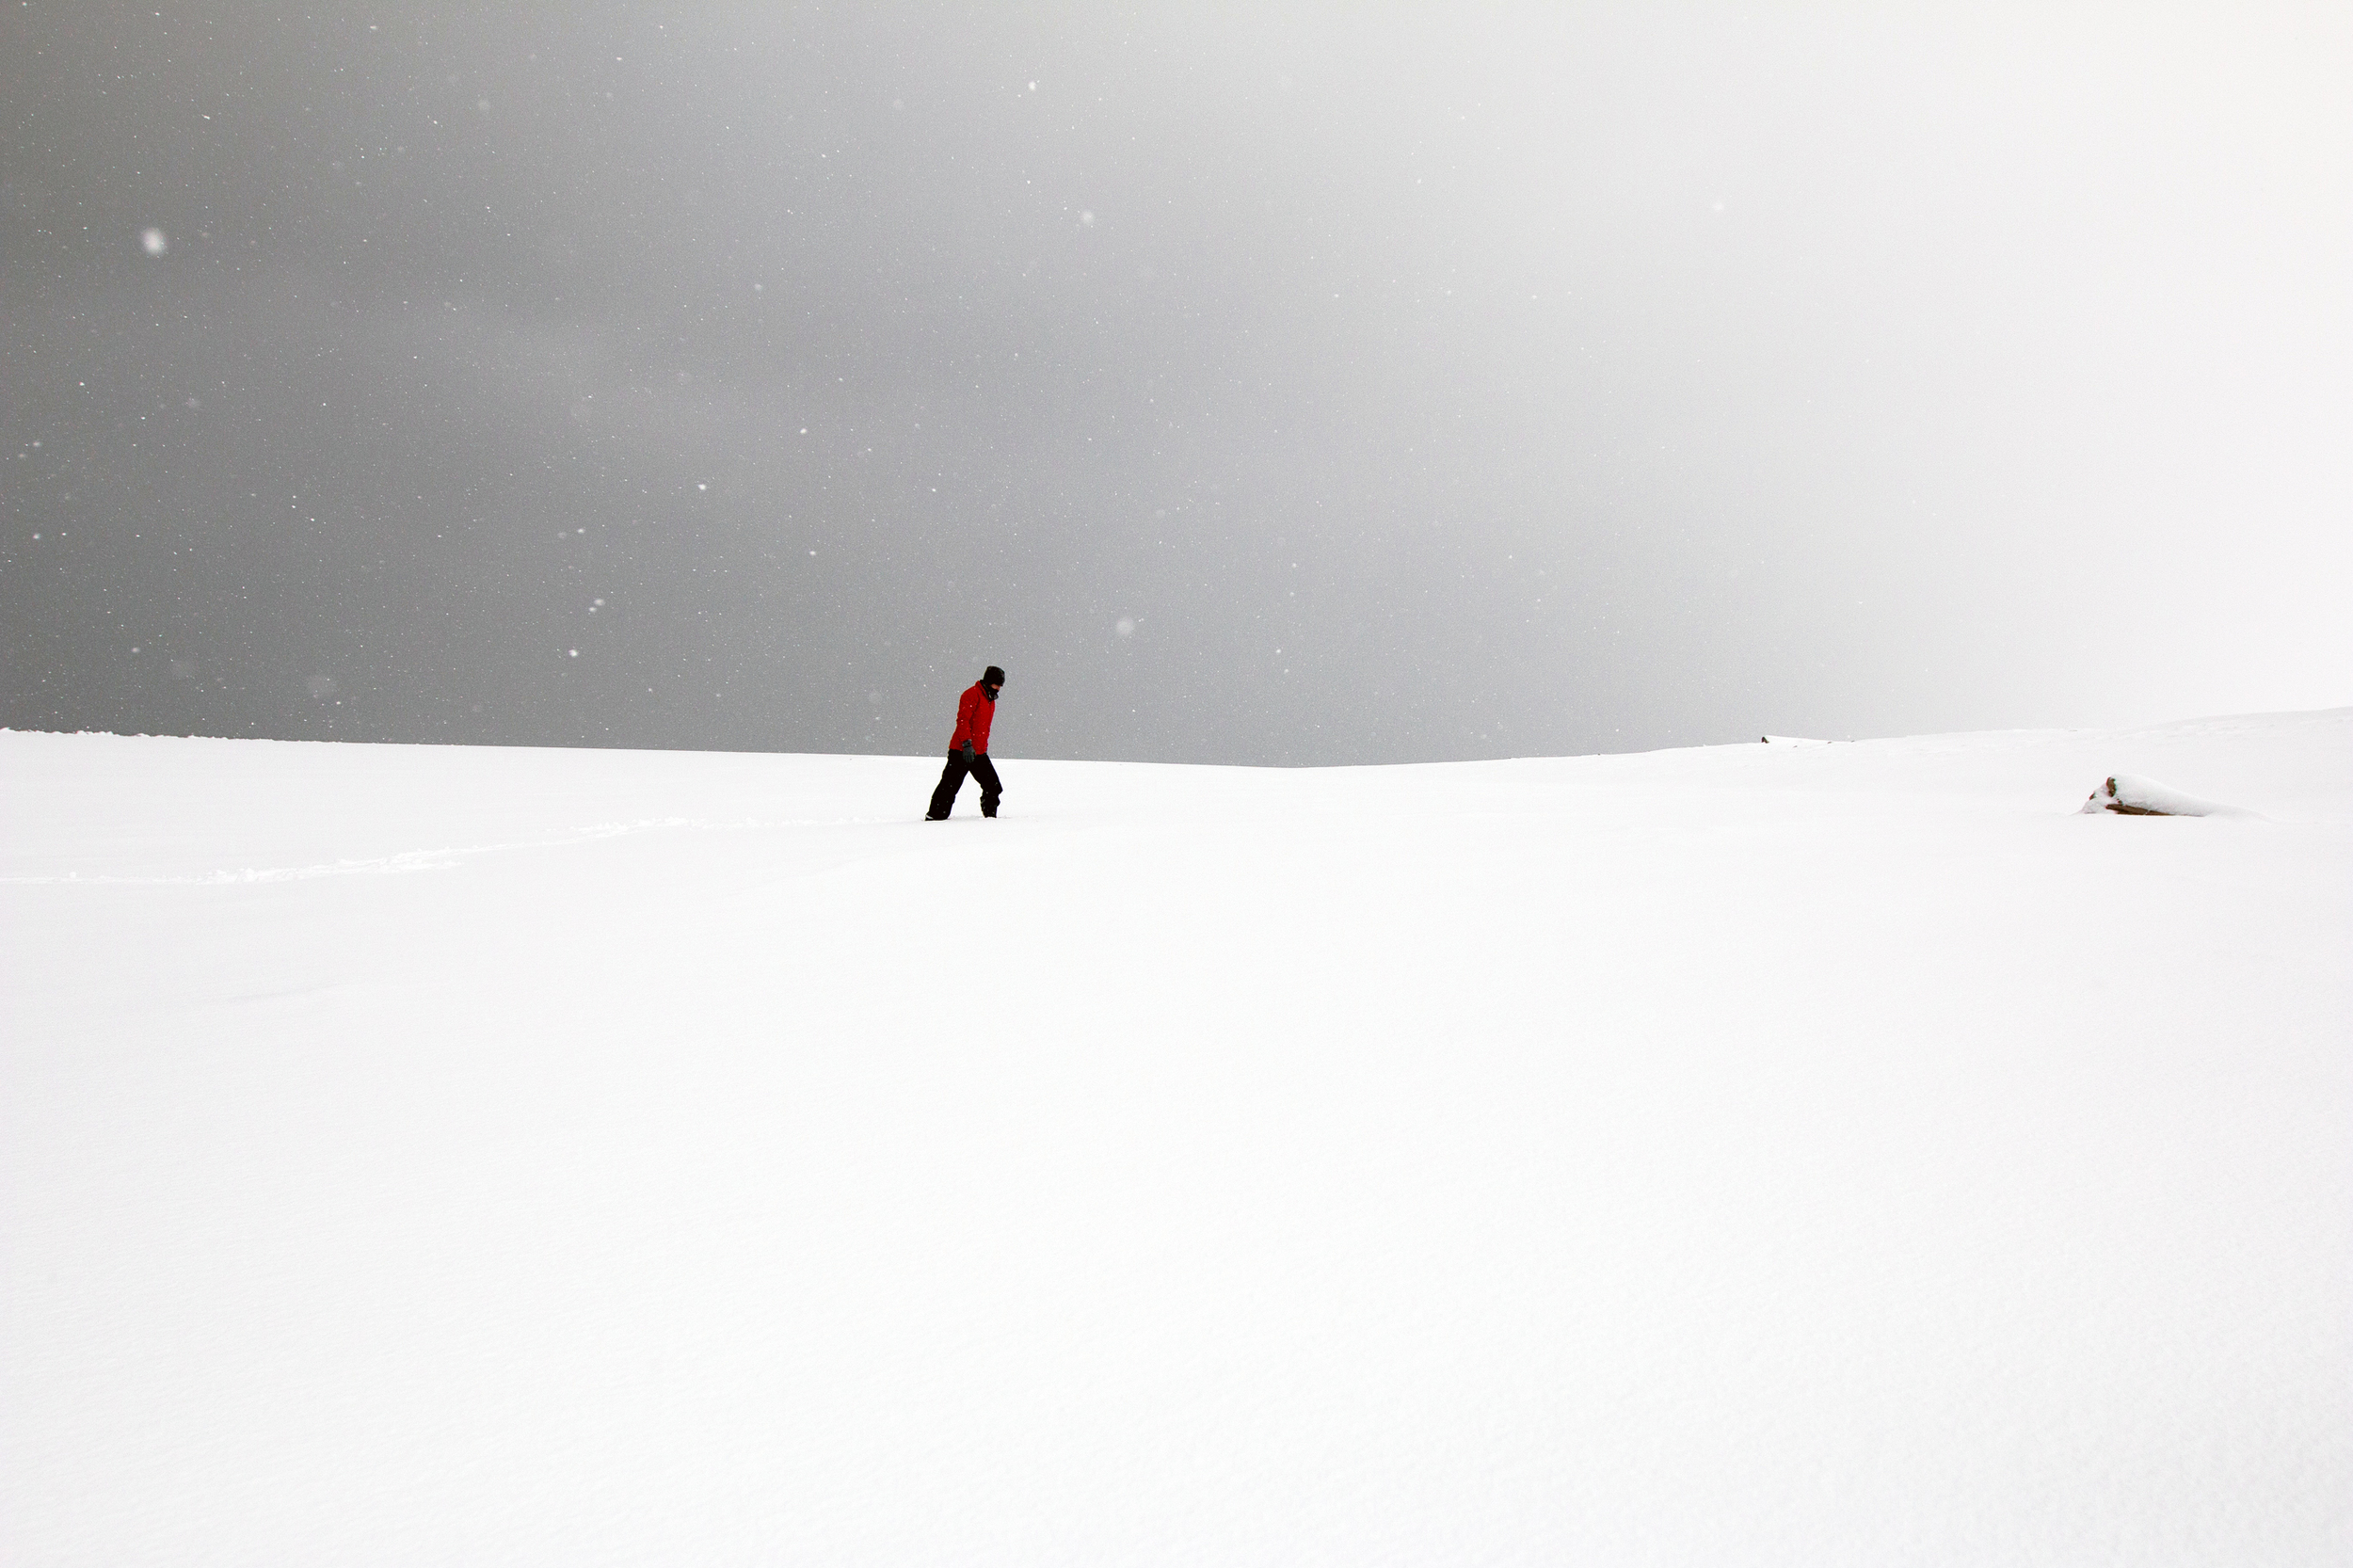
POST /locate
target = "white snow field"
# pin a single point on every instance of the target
(1814, 1155)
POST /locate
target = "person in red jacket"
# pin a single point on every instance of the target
(968, 749)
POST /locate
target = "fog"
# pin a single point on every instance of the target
(1273, 384)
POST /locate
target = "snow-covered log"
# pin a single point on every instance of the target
(2128, 797)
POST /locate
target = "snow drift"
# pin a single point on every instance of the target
(417, 1154)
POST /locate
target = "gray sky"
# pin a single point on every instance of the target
(1271, 384)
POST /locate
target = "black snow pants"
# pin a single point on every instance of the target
(952, 780)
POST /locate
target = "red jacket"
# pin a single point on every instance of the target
(973, 712)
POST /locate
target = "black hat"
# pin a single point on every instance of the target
(992, 676)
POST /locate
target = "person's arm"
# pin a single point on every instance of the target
(964, 715)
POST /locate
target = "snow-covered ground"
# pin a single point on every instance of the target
(1806, 1155)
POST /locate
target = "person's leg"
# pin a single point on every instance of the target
(985, 771)
(951, 780)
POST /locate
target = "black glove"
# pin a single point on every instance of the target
(968, 755)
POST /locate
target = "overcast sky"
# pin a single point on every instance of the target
(1273, 383)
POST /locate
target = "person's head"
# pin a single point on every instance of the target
(992, 678)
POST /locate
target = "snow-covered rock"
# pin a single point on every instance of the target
(2126, 795)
